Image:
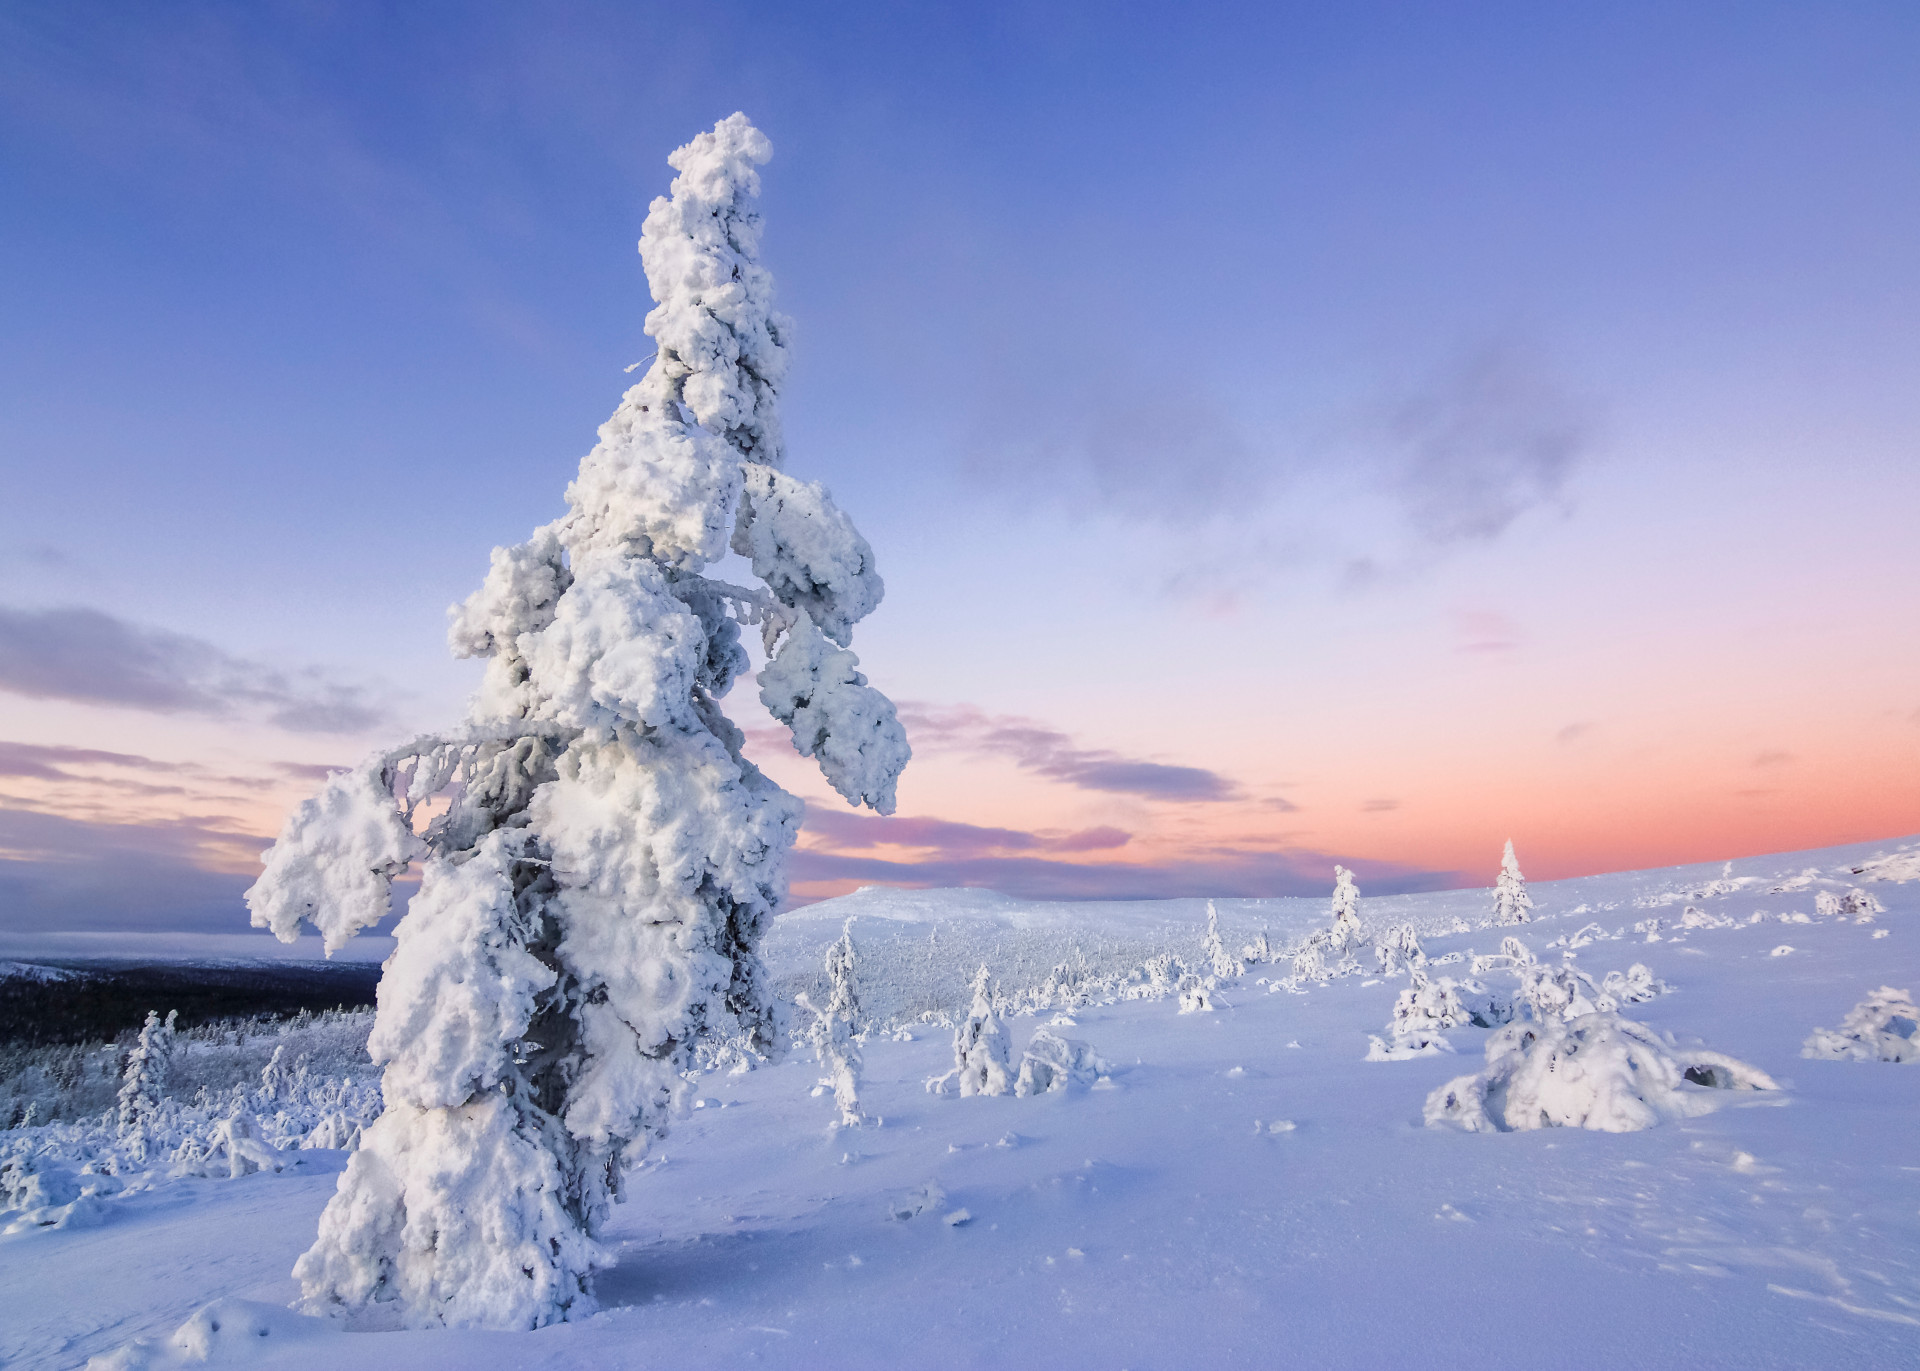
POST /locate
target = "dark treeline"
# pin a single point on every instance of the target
(98, 1000)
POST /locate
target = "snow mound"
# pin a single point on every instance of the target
(1884, 1027)
(224, 1333)
(1598, 1071)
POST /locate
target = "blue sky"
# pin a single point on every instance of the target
(1435, 424)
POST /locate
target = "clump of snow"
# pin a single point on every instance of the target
(1597, 1071)
(1884, 1027)
(223, 1333)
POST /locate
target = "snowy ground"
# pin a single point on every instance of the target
(1163, 1222)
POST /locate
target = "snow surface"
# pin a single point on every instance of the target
(1242, 1188)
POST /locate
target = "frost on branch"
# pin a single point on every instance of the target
(1884, 1027)
(1598, 1071)
(602, 858)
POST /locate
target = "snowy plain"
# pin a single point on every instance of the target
(1244, 1189)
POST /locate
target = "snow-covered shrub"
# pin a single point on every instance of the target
(1556, 991)
(1511, 903)
(835, 1029)
(1399, 950)
(1426, 1007)
(594, 891)
(1884, 1027)
(982, 1056)
(1052, 1062)
(1196, 993)
(1597, 1071)
(1310, 958)
(1636, 985)
(1856, 904)
(1258, 951)
(1513, 955)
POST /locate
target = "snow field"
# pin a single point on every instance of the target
(1222, 1201)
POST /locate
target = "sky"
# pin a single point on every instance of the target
(1291, 434)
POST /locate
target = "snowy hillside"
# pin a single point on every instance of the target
(1233, 1186)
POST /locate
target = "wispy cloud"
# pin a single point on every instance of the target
(90, 657)
(843, 831)
(62, 873)
(1221, 871)
(1379, 806)
(1489, 439)
(1050, 753)
(1485, 630)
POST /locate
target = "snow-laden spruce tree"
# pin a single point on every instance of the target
(982, 1054)
(1220, 962)
(144, 1079)
(593, 891)
(1511, 903)
(835, 1028)
(1347, 933)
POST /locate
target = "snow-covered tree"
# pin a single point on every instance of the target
(1511, 903)
(982, 1055)
(1052, 1063)
(1219, 960)
(604, 859)
(1347, 934)
(144, 1080)
(835, 1029)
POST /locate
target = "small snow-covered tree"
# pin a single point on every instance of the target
(1051, 1062)
(1347, 934)
(1399, 950)
(835, 1029)
(982, 1056)
(144, 1080)
(602, 858)
(1219, 960)
(1511, 903)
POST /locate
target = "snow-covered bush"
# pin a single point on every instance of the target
(982, 1056)
(1052, 1062)
(1597, 1071)
(835, 1029)
(1196, 993)
(1310, 958)
(1856, 904)
(1513, 955)
(1884, 1027)
(1256, 952)
(1636, 985)
(595, 888)
(1399, 951)
(1511, 903)
(1427, 1007)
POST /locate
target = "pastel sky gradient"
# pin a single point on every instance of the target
(1290, 433)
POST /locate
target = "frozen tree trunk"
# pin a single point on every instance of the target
(593, 894)
(1511, 903)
